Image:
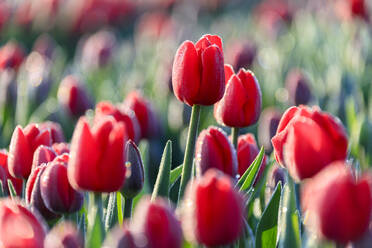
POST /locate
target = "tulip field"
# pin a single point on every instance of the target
(185, 123)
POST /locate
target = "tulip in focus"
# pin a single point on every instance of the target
(64, 235)
(240, 106)
(97, 156)
(212, 211)
(198, 74)
(307, 140)
(19, 226)
(214, 150)
(119, 237)
(338, 206)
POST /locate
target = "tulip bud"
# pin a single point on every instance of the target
(33, 194)
(119, 237)
(11, 56)
(338, 206)
(56, 192)
(212, 211)
(247, 152)
(73, 96)
(64, 235)
(243, 55)
(214, 150)
(19, 226)
(121, 114)
(275, 175)
(22, 146)
(45, 45)
(198, 74)
(97, 156)
(298, 88)
(267, 126)
(135, 175)
(156, 223)
(359, 8)
(307, 140)
(43, 154)
(240, 106)
(5, 175)
(147, 119)
(55, 130)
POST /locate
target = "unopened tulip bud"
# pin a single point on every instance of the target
(11, 56)
(243, 55)
(299, 91)
(275, 175)
(64, 235)
(55, 130)
(119, 237)
(267, 126)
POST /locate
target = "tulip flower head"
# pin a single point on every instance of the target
(64, 234)
(119, 237)
(5, 175)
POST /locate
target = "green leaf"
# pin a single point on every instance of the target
(2, 193)
(119, 203)
(95, 236)
(12, 190)
(249, 176)
(174, 175)
(110, 212)
(161, 187)
(267, 228)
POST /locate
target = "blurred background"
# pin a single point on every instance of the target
(302, 52)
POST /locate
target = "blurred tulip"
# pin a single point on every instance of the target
(97, 156)
(121, 114)
(22, 146)
(8, 88)
(119, 237)
(156, 223)
(19, 226)
(307, 140)
(146, 116)
(241, 103)
(155, 25)
(198, 74)
(275, 175)
(298, 88)
(214, 150)
(11, 56)
(45, 45)
(60, 148)
(267, 126)
(42, 155)
(242, 55)
(64, 235)
(56, 191)
(359, 8)
(5, 12)
(212, 211)
(5, 175)
(73, 96)
(134, 179)
(55, 130)
(338, 206)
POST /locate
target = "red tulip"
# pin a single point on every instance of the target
(97, 156)
(155, 25)
(60, 148)
(19, 226)
(11, 56)
(73, 96)
(121, 114)
(212, 212)
(242, 55)
(145, 114)
(267, 126)
(338, 205)
(157, 222)
(307, 140)
(247, 152)
(298, 87)
(198, 75)
(55, 130)
(42, 155)
(119, 237)
(359, 8)
(22, 146)
(214, 150)
(5, 175)
(65, 235)
(240, 106)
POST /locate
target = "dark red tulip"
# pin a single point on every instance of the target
(134, 179)
(97, 156)
(337, 205)
(275, 175)
(19, 226)
(22, 146)
(64, 235)
(33, 193)
(198, 75)
(212, 212)
(56, 191)
(5, 175)
(307, 140)
(297, 84)
(359, 8)
(242, 55)
(145, 114)
(11, 56)
(119, 237)
(60, 148)
(214, 150)
(121, 114)
(55, 130)
(267, 126)
(43, 154)
(240, 106)
(73, 96)
(247, 152)
(157, 222)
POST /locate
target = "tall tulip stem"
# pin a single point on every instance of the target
(128, 208)
(190, 147)
(234, 136)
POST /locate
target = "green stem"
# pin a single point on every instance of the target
(234, 136)
(128, 208)
(190, 147)
(110, 211)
